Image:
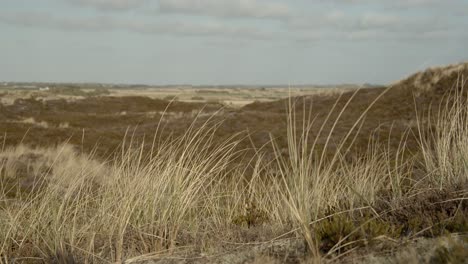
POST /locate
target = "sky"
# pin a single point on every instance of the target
(221, 42)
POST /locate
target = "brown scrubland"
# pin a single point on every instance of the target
(354, 175)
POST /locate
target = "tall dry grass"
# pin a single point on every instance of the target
(134, 205)
(444, 140)
(143, 205)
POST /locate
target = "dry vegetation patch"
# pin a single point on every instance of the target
(305, 180)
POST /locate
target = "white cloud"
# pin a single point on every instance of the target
(45, 20)
(338, 21)
(211, 8)
(396, 2)
(226, 8)
(109, 23)
(407, 4)
(334, 25)
(110, 4)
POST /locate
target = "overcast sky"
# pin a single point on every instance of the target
(228, 41)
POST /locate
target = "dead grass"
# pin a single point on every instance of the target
(302, 196)
(150, 205)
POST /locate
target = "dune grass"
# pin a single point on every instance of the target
(189, 195)
(444, 146)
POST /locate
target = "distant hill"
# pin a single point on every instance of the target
(392, 114)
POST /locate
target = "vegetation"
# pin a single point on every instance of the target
(76, 91)
(171, 98)
(305, 196)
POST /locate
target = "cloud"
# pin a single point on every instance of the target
(226, 8)
(45, 20)
(375, 26)
(333, 26)
(109, 23)
(406, 4)
(338, 21)
(110, 4)
(396, 2)
(211, 8)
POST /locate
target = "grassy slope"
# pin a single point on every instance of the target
(187, 198)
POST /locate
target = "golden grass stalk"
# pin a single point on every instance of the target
(444, 140)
